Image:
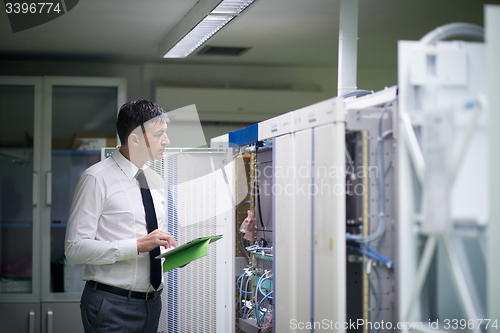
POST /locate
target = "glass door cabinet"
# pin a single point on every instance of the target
(40, 164)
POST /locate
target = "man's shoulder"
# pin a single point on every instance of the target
(100, 168)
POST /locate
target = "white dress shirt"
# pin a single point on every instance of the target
(106, 219)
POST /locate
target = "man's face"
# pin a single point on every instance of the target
(155, 140)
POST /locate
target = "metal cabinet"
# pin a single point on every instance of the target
(39, 170)
(61, 317)
(41, 317)
(20, 317)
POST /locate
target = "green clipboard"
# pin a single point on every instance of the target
(186, 253)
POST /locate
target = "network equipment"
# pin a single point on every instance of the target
(316, 230)
(357, 209)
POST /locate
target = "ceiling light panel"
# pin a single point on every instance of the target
(217, 18)
(232, 6)
(198, 35)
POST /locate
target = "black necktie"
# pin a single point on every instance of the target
(152, 224)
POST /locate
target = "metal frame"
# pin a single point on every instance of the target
(465, 290)
(364, 116)
(48, 83)
(456, 81)
(36, 82)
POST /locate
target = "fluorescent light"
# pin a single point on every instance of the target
(221, 15)
(203, 31)
(232, 6)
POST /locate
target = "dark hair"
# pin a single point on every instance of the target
(134, 114)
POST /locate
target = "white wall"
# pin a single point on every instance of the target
(142, 79)
(376, 79)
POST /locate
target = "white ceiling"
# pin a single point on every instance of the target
(279, 32)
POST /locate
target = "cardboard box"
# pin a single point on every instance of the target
(58, 143)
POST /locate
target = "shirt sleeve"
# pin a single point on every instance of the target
(81, 246)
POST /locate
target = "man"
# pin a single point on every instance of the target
(108, 227)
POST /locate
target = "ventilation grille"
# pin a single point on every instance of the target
(189, 300)
(223, 51)
(158, 166)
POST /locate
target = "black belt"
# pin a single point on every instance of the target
(123, 292)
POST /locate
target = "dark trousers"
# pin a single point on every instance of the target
(104, 312)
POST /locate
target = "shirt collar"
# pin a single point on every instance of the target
(129, 168)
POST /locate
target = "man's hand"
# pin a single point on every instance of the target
(155, 239)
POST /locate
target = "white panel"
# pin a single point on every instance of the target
(329, 224)
(317, 114)
(470, 191)
(225, 225)
(440, 94)
(493, 54)
(408, 238)
(283, 247)
(437, 142)
(302, 225)
(220, 141)
(292, 188)
(444, 64)
(459, 87)
(275, 126)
